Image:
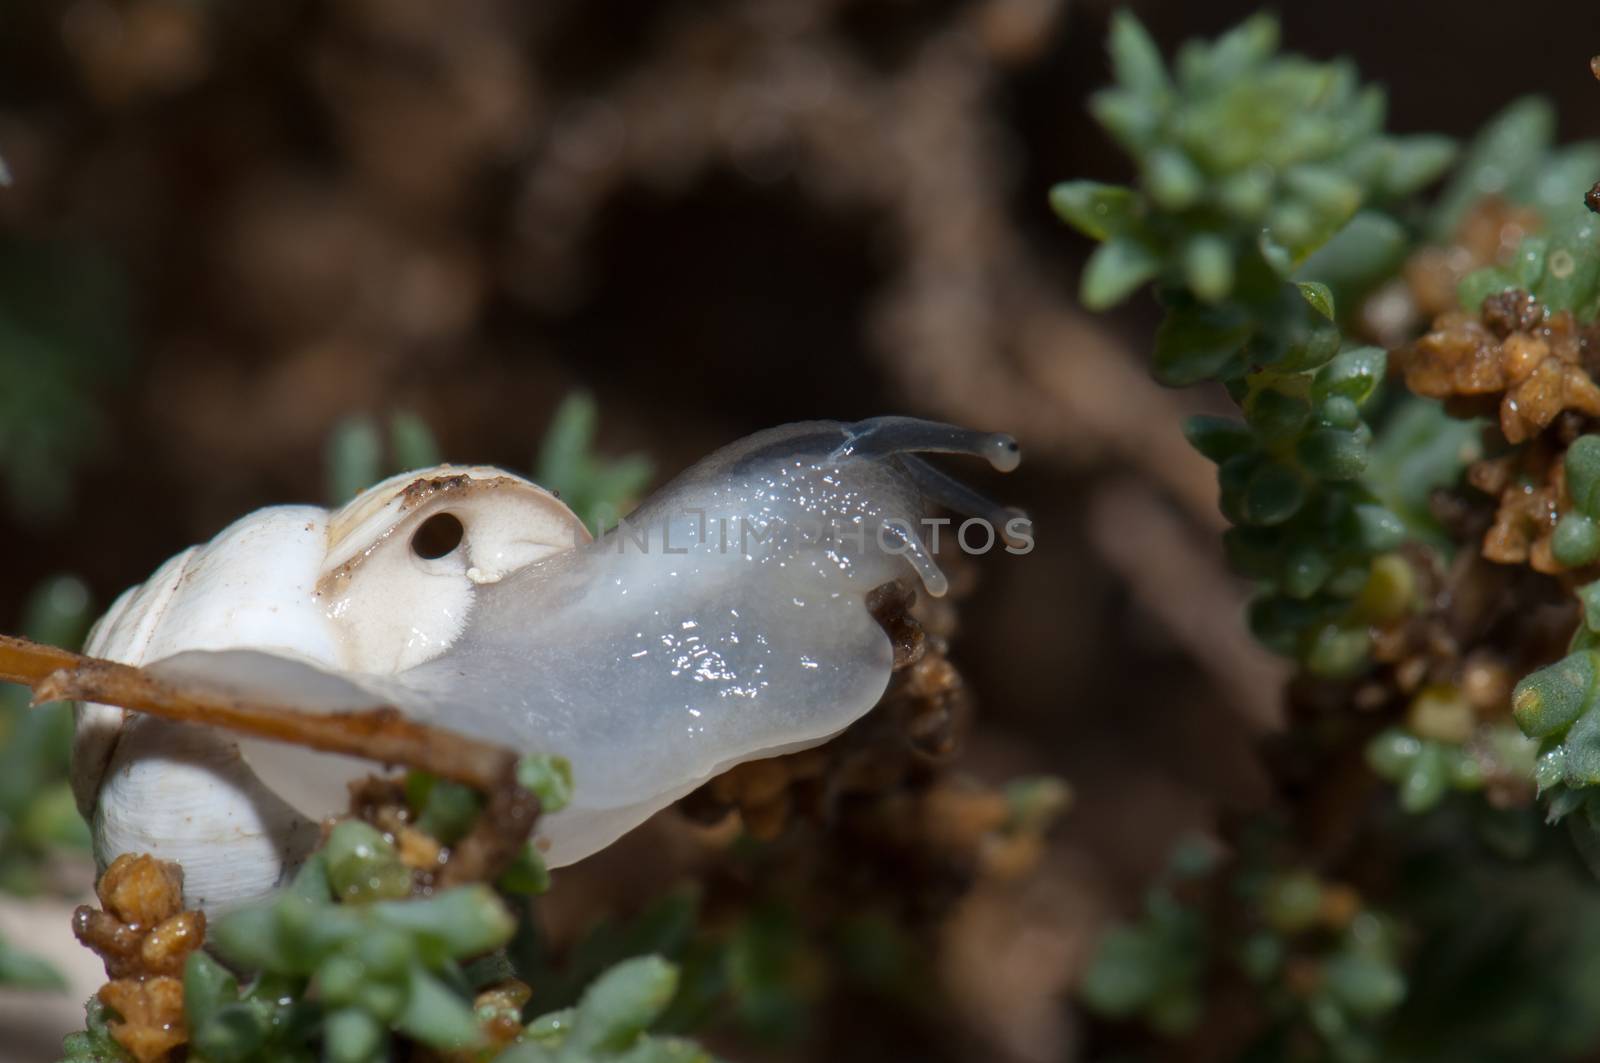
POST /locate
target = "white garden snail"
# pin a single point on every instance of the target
(726, 619)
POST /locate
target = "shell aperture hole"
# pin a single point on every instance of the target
(437, 536)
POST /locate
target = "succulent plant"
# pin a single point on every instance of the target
(1243, 155)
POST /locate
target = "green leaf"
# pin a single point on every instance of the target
(1274, 494)
(1415, 162)
(1208, 267)
(1125, 973)
(1172, 179)
(458, 923)
(207, 986)
(1582, 746)
(1135, 59)
(363, 865)
(1513, 140)
(1375, 529)
(549, 777)
(1197, 343)
(353, 1036)
(1094, 209)
(436, 1016)
(527, 875)
(620, 1004)
(354, 458)
(234, 1033)
(1317, 296)
(1116, 269)
(1582, 466)
(445, 810)
(1576, 541)
(1353, 374)
(1334, 454)
(1218, 438)
(411, 441)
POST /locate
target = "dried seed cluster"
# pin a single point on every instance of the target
(144, 936)
(1512, 356)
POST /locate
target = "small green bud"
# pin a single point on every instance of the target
(1425, 784)
(549, 777)
(1551, 699)
(1366, 983)
(339, 979)
(385, 1000)
(1338, 651)
(1337, 411)
(207, 987)
(1208, 267)
(1116, 269)
(1391, 752)
(1275, 415)
(363, 866)
(1172, 179)
(1312, 351)
(436, 1016)
(1218, 438)
(1248, 193)
(1389, 591)
(1305, 570)
(1274, 494)
(1293, 903)
(1334, 454)
(234, 1033)
(353, 1036)
(1582, 743)
(1583, 474)
(1375, 529)
(1576, 541)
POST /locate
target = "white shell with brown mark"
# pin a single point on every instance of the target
(342, 590)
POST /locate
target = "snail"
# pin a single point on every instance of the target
(725, 619)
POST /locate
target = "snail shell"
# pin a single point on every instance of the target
(348, 590)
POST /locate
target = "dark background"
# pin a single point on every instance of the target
(234, 224)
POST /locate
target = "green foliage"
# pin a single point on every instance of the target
(37, 813)
(371, 966)
(1576, 541)
(1242, 153)
(610, 1020)
(1427, 767)
(1250, 162)
(93, 1044)
(1324, 965)
(1154, 968)
(38, 817)
(1559, 266)
(549, 777)
(1514, 157)
(1420, 449)
(355, 457)
(1559, 705)
(594, 488)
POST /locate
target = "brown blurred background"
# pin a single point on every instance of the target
(250, 220)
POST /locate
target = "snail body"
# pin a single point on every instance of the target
(725, 619)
